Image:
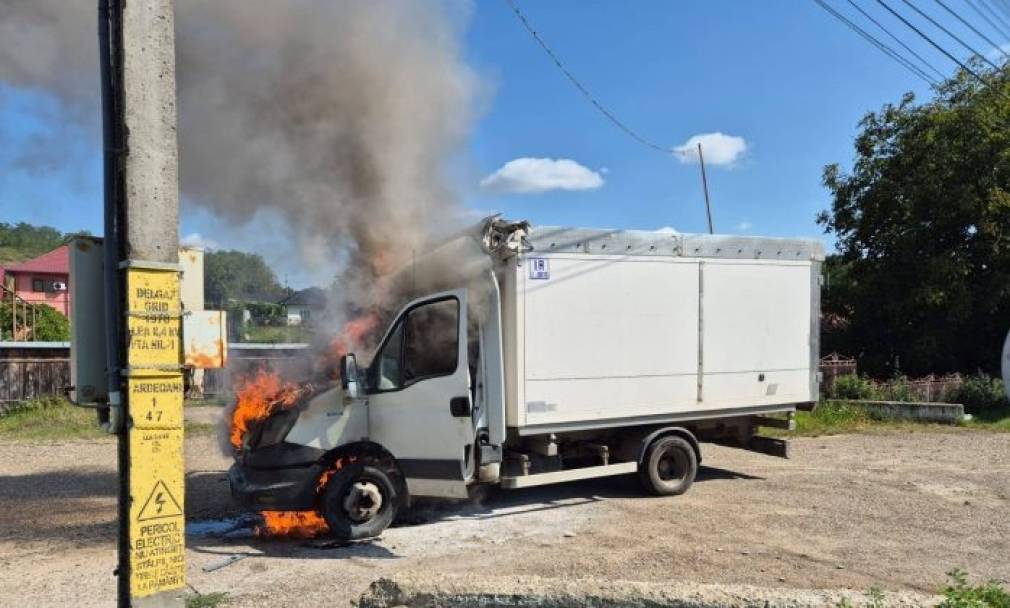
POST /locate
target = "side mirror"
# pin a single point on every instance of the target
(349, 373)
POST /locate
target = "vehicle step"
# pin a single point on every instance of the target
(539, 479)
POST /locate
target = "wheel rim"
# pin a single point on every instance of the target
(363, 501)
(672, 466)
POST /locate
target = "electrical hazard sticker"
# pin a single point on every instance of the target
(159, 504)
(540, 268)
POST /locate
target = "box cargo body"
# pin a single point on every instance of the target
(606, 328)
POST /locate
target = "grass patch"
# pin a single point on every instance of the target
(206, 600)
(959, 593)
(834, 417)
(55, 419)
(51, 418)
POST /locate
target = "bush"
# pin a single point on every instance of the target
(899, 389)
(959, 594)
(851, 386)
(50, 326)
(979, 394)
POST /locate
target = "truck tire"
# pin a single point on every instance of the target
(669, 466)
(360, 501)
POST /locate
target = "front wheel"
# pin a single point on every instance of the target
(360, 501)
(669, 466)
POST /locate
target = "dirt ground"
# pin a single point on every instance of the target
(895, 511)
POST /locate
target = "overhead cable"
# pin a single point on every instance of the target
(985, 17)
(883, 48)
(585, 92)
(967, 24)
(898, 40)
(950, 33)
(932, 42)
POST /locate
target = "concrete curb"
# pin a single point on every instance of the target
(943, 413)
(442, 591)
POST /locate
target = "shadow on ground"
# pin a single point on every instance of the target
(492, 504)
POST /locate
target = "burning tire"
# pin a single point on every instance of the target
(669, 466)
(359, 501)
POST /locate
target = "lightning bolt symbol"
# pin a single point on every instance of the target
(158, 500)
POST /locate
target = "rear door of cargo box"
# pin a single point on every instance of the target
(756, 329)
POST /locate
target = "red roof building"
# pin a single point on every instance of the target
(42, 280)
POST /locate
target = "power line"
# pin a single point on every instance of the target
(973, 28)
(974, 4)
(932, 42)
(998, 11)
(949, 33)
(883, 48)
(585, 92)
(896, 39)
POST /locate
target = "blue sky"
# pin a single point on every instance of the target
(784, 76)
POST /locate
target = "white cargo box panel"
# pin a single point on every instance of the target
(627, 327)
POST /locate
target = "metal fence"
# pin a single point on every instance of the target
(245, 360)
(27, 379)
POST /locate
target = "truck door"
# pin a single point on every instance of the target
(419, 401)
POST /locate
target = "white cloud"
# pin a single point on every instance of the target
(744, 226)
(667, 230)
(533, 175)
(195, 239)
(719, 149)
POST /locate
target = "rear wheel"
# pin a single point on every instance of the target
(360, 501)
(669, 466)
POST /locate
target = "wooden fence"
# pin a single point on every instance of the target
(26, 379)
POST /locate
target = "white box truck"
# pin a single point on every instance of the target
(551, 355)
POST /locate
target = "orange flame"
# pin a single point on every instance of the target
(352, 336)
(296, 524)
(300, 524)
(258, 397)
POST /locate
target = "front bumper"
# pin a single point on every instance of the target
(287, 488)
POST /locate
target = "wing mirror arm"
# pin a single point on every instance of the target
(349, 380)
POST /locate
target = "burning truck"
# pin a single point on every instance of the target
(538, 356)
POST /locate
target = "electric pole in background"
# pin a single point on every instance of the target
(143, 304)
(704, 184)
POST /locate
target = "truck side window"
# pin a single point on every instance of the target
(389, 376)
(431, 346)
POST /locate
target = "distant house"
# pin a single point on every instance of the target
(42, 280)
(305, 306)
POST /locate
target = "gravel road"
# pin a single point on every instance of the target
(892, 510)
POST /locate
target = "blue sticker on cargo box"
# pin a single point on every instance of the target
(540, 268)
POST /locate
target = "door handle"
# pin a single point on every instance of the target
(459, 407)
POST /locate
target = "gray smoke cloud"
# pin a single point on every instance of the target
(339, 117)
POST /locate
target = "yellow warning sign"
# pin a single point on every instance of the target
(156, 401)
(157, 523)
(154, 324)
(155, 390)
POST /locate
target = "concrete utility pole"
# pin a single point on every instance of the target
(137, 46)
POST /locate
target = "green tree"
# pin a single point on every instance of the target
(22, 241)
(922, 222)
(235, 275)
